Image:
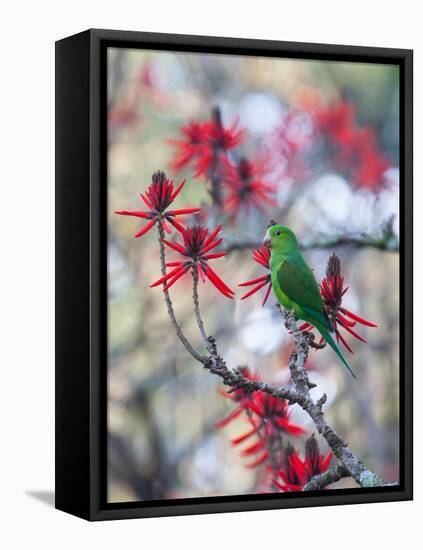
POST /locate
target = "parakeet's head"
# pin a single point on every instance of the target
(280, 239)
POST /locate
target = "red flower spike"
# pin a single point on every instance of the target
(269, 419)
(355, 148)
(203, 144)
(315, 463)
(195, 248)
(292, 471)
(262, 257)
(246, 187)
(158, 197)
(295, 472)
(193, 138)
(332, 291)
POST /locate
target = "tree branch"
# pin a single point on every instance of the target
(320, 481)
(356, 469)
(386, 243)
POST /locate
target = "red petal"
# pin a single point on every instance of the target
(290, 428)
(355, 334)
(213, 235)
(218, 283)
(144, 230)
(147, 202)
(253, 407)
(266, 295)
(244, 437)
(344, 321)
(253, 449)
(262, 458)
(177, 190)
(168, 276)
(137, 214)
(210, 246)
(175, 246)
(357, 318)
(176, 225)
(340, 337)
(255, 281)
(165, 186)
(255, 289)
(231, 416)
(166, 227)
(262, 256)
(184, 211)
(215, 255)
(175, 278)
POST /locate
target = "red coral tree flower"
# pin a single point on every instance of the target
(295, 472)
(371, 165)
(332, 291)
(204, 142)
(292, 473)
(158, 197)
(262, 257)
(269, 420)
(314, 462)
(337, 122)
(193, 138)
(246, 187)
(197, 252)
(239, 396)
(356, 149)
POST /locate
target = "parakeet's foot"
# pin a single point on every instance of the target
(311, 340)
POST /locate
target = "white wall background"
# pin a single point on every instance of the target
(27, 37)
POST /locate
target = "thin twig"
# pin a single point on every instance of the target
(188, 346)
(197, 305)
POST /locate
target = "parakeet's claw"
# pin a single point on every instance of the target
(310, 338)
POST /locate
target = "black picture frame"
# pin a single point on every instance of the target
(81, 273)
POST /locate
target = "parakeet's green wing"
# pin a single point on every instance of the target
(297, 281)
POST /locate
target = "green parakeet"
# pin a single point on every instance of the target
(294, 283)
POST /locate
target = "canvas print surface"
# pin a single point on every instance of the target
(253, 275)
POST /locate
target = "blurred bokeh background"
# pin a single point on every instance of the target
(324, 137)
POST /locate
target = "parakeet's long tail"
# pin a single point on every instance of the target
(322, 324)
(327, 336)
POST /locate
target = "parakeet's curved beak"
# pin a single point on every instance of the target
(267, 241)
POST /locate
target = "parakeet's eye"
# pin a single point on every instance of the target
(277, 233)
